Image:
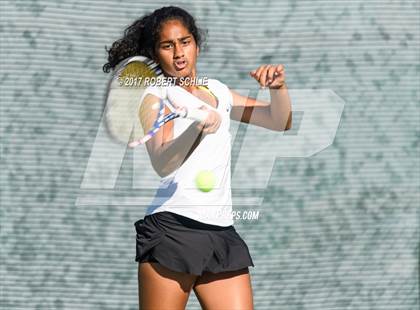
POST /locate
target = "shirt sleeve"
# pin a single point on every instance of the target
(230, 98)
(153, 90)
(227, 92)
(156, 91)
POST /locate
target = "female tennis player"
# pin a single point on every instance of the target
(187, 240)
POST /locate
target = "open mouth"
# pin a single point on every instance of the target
(180, 64)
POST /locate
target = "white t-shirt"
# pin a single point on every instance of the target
(178, 193)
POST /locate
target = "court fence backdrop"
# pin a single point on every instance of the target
(337, 197)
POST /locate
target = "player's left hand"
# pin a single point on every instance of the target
(271, 76)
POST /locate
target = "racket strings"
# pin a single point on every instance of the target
(132, 77)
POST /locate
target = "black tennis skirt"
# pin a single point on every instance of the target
(185, 245)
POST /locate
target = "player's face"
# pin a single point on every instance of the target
(177, 50)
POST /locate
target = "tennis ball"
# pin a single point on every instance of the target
(205, 180)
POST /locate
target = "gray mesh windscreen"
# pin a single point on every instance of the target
(336, 230)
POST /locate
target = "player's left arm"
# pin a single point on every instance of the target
(274, 115)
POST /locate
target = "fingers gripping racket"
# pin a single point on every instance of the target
(126, 93)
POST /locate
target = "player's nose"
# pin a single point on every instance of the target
(178, 51)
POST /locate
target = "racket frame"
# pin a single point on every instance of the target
(161, 119)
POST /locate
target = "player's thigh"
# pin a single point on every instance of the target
(230, 290)
(161, 288)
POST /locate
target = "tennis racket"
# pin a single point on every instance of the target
(125, 115)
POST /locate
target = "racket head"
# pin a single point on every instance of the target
(126, 92)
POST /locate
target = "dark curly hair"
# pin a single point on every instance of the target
(140, 38)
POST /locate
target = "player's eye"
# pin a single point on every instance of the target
(185, 42)
(166, 46)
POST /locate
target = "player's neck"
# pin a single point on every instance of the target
(190, 88)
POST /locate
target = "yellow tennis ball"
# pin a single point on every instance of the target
(205, 180)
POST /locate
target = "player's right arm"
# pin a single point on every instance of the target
(166, 153)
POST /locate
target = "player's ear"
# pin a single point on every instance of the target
(198, 50)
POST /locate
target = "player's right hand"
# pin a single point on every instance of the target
(211, 123)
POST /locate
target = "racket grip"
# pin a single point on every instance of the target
(197, 114)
